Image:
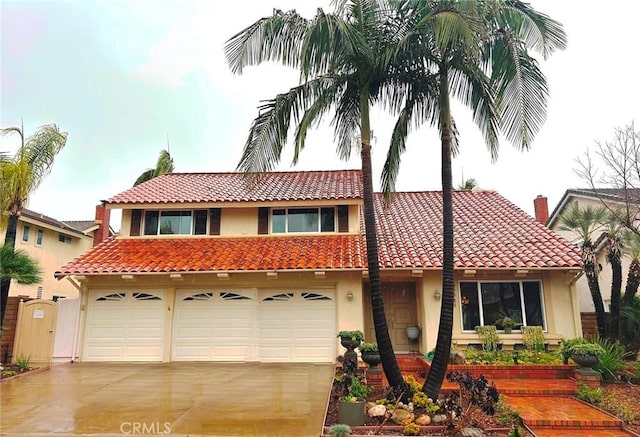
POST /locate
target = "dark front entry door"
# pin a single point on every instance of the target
(400, 308)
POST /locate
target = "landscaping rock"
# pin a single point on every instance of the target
(472, 432)
(401, 416)
(370, 405)
(424, 420)
(377, 411)
(438, 418)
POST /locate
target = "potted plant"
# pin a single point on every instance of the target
(370, 354)
(413, 332)
(506, 323)
(565, 348)
(586, 354)
(350, 340)
(351, 408)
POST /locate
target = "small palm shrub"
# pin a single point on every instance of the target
(612, 361)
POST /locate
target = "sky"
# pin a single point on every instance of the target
(126, 78)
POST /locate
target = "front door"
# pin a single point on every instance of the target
(400, 309)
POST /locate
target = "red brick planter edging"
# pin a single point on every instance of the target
(30, 372)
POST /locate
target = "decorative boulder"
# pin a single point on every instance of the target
(377, 411)
(438, 418)
(402, 417)
(424, 420)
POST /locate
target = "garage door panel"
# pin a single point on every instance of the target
(125, 326)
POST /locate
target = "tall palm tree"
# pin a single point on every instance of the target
(20, 176)
(164, 165)
(479, 53)
(584, 221)
(632, 244)
(468, 185)
(614, 247)
(346, 59)
(19, 266)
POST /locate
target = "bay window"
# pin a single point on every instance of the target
(482, 303)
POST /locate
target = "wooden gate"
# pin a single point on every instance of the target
(35, 331)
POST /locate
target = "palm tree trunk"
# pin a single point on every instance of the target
(633, 281)
(387, 356)
(594, 287)
(5, 284)
(434, 381)
(616, 286)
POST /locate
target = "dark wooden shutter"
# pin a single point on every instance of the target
(136, 219)
(263, 221)
(343, 218)
(214, 222)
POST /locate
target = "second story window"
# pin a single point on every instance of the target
(303, 220)
(175, 222)
(39, 237)
(64, 238)
(25, 233)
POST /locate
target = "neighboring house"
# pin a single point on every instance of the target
(212, 267)
(52, 242)
(612, 198)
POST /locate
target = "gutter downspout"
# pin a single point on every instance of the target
(76, 332)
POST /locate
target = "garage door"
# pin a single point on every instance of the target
(297, 326)
(125, 326)
(214, 326)
(252, 325)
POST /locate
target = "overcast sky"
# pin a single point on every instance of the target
(120, 77)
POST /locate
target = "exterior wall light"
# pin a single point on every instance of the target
(437, 294)
(349, 296)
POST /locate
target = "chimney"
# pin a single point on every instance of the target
(541, 209)
(102, 220)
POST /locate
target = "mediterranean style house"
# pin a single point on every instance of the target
(52, 242)
(217, 267)
(609, 198)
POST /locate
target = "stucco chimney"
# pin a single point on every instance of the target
(541, 209)
(102, 220)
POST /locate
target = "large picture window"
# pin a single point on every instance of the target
(303, 220)
(482, 303)
(175, 222)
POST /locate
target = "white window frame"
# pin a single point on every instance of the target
(26, 228)
(64, 238)
(522, 303)
(319, 227)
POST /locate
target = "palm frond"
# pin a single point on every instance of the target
(583, 220)
(17, 265)
(537, 30)
(276, 38)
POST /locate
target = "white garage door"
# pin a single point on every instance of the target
(247, 325)
(125, 326)
(297, 326)
(214, 326)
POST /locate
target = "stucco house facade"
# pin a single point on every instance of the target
(215, 267)
(611, 198)
(53, 243)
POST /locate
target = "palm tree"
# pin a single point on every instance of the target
(164, 165)
(632, 244)
(20, 176)
(614, 257)
(478, 51)
(584, 221)
(17, 265)
(468, 185)
(346, 62)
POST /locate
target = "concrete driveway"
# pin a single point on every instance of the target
(209, 399)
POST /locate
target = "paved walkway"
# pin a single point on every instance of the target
(548, 408)
(212, 399)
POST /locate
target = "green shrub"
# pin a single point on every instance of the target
(533, 337)
(591, 395)
(489, 337)
(368, 347)
(340, 430)
(411, 429)
(353, 335)
(505, 414)
(358, 389)
(23, 363)
(612, 360)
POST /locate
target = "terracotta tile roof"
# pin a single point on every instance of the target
(491, 232)
(214, 254)
(233, 187)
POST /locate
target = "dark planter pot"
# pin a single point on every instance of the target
(371, 358)
(352, 413)
(585, 360)
(507, 330)
(348, 343)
